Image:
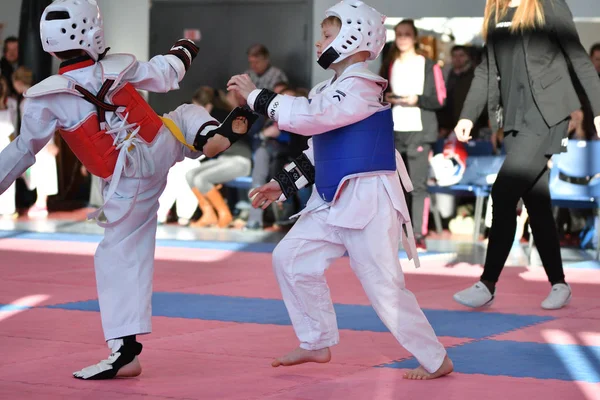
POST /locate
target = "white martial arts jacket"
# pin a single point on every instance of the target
(327, 109)
(43, 116)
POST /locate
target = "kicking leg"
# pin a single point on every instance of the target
(299, 262)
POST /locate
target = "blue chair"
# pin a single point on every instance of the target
(473, 184)
(244, 182)
(480, 148)
(582, 160)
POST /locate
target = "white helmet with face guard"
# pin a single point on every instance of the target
(362, 30)
(73, 25)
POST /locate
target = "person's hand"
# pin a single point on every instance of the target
(242, 85)
(463, 130)
(389, 97)
(83, 171)
(271, 131)
(408, 101)
(597, 124)
(265, 195)
(240, 125)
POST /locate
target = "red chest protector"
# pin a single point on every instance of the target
(88, 140)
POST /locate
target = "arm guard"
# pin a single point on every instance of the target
(296, 175)
(226, 128)
(261, 104)
(186, 51)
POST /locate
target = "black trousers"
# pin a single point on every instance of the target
(415, 154)
(524, 174)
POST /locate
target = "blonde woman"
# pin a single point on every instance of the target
(416, 90)
(524, 79)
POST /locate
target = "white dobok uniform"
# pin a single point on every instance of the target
(366, 220)
(124, 260)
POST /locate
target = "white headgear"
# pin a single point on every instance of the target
(71, 25)
(362, 30)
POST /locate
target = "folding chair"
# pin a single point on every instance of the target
(582, 160)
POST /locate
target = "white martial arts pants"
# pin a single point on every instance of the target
(302, 257)
(124, 260)
(178, 191)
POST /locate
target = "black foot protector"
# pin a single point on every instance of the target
(108, 369)
(227, 128)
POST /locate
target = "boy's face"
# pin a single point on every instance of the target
(329, 32)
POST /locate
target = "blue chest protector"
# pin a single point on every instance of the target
(365, 146)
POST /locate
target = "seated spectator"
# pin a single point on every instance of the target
(233, 163)
(261, 72)
(43, 175)
(10, 62)
(272, 155)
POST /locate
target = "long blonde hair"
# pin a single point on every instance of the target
(528, 15)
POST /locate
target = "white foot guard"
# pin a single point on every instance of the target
(122, 363)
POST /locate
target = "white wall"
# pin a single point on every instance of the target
(589, 33)
(9, 17)
(127, 26)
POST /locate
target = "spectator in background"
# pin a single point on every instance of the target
(8, 110)
(595, 56)
(233, 163)
(587, 123)
(269, 158)
(43, 175)
(10, 61)
(261, 72)
(458, 83)
(178, 189)
(416, 91)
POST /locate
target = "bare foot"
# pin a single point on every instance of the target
(300, 356)
(130, 370)
(422, 374)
